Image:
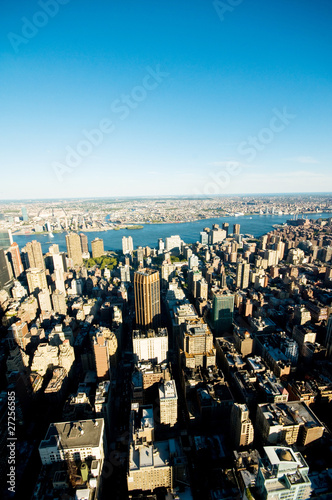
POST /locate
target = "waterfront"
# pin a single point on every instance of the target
(257, 225)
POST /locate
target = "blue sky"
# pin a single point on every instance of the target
(178, 97)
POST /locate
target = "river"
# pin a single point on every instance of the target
(257, 225)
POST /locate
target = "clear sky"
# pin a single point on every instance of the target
(123, 97)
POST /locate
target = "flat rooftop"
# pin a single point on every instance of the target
(77, 434)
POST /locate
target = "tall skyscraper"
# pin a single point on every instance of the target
(225, 227)
(328, 338)
(236, 228)
(147, 298)
(25, 216)
(74, 250)
(222, 311)
(4, 271)
(105, 347)
(35, 254)
(127, 245)
(58, 267)
(204, 238)
(15, 258)
(161, 245)
(54, 249)
(6, 239)
(84, 243)
(242, 275)
(97, 247)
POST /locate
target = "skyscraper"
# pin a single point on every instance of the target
(147, 298)
(204, 238)
(225, 227)
(4, 271)
(84, 243)
(59, 270)
(242, 275)
(15, 258)
(35, 254)
(74, 250)
(236, 228)
(222, 310)
(127, 245)
(105, 347)
(25, 216)
(6, 239)
(97, 247)
(328, 338)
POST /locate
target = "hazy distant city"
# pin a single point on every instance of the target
(91, 215)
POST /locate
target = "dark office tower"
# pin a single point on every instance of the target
(15, 259)
(147, 298)
(222, 311)
(25, 216)
(225, 227)
(4, 271)
(84, 243)
(5, 239)
(74, 250)
(236, 229)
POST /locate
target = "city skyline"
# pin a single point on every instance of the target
(222, 102)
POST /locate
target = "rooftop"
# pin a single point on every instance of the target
(76, 434)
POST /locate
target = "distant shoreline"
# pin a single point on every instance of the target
(141, 226)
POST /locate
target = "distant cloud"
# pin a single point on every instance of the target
(302, 159)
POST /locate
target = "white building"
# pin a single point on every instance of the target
(125, 273)
(283, 474)
(168, 400)
(82, 440)
(151, 345)
(127, 245)
(193, 261)
(173, 243)
(19, 291)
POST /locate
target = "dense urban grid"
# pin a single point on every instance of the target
(184, 371)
